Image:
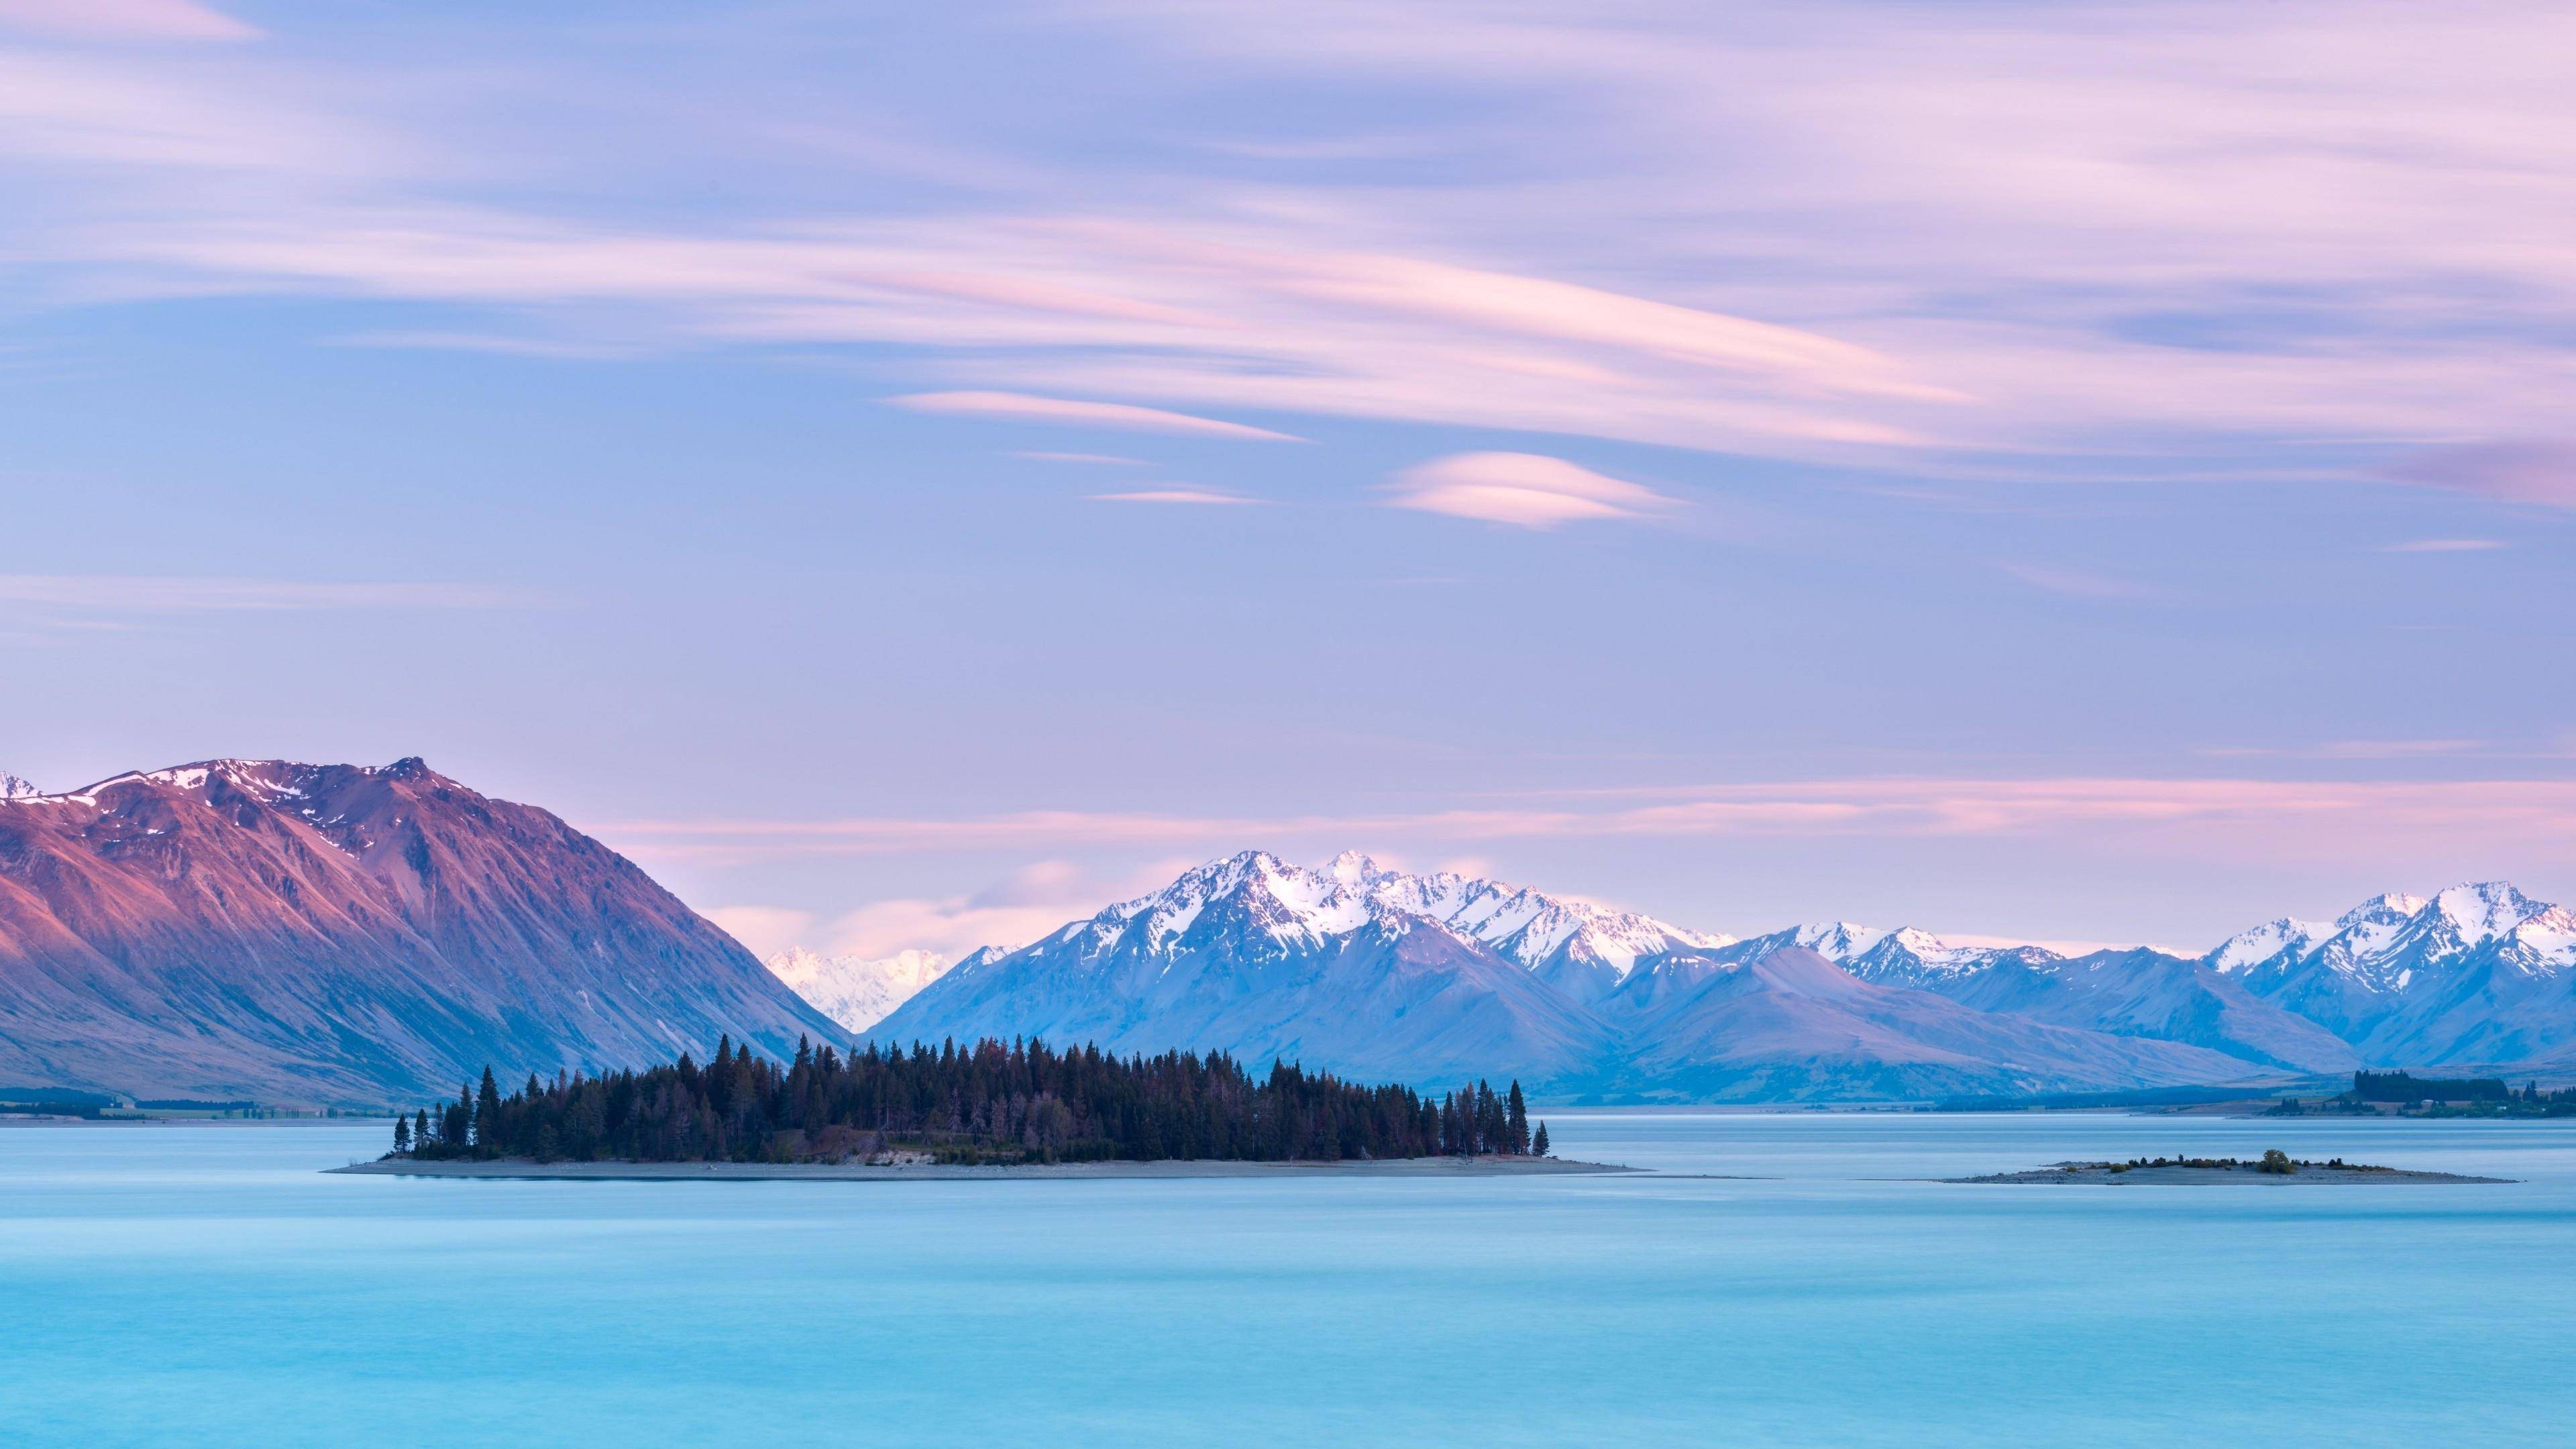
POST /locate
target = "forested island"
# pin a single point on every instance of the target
(992, 1104)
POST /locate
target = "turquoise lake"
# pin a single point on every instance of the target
(204, 1284)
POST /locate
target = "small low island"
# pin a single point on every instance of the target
(1019, 1109)
(2274, 1168)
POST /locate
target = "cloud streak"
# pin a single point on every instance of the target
(1195, 496)
(2522, 811)
(123, 19)
(1524, 490)
(1020, 407)
(176, 595)
(2137, 247)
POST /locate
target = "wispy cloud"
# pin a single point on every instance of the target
(2076, 583)
(2354, 750)
(2538, 471)
(1016, 909)
(1525, 490)
(168, 595)
(1176, 495)
(2121, 230)
(2446, 545)
(2516, 810)
(764, 931)
(1020, 407)
(123, 19)
(1102, 459)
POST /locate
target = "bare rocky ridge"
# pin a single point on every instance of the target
(344, 934)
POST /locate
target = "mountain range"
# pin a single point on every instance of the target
(337, 933)
(348, 934)
(1373, 971)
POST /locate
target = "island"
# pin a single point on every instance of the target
(995, 1109)
(2273, 1168)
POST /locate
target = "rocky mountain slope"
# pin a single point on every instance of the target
(337, 933)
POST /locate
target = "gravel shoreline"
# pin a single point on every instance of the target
(933, 1172)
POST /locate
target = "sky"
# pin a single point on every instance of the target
(907, 475)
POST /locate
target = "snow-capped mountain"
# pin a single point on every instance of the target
(14, 788)
(1254, 956)
(856, 991)
(1910, 957)
(1369, 971)
(2477, 974)
(1580, 948)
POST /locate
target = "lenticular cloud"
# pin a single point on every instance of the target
(1525, 490)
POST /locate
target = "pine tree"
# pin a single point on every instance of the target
(420, 1129)
(487, 1112)
(1518, 1125)
(1538, 1143)
(402, 1134)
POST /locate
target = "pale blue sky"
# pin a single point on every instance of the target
(907, 474)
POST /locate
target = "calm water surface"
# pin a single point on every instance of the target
(201, 1284)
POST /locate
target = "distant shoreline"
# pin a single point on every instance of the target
(527, 1169)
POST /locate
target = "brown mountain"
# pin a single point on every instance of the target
(336, 933)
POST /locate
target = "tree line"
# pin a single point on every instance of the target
(1024, 1101)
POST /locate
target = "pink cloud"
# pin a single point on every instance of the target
(2196, 813)
(1525, 490)
(2447, 545)
(1176, 495)
(1022, 407)
(2540, 471)
(124, 19)
(764, 931)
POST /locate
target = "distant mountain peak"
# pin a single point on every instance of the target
(2484, 911)
(1274, 905)
(2391, 942)
(857, 991)
(2389, 905)
(1356, 867)
(14, 788)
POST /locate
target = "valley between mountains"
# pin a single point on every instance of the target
(356, 935)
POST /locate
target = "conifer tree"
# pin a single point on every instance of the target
(402, 1134)
(487, 1112)
(1538, 1143)
(1518, 1125)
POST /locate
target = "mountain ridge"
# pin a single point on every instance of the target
(344, 933)
(1654, 1003)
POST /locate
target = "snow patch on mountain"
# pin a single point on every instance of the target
(14, 788)
(2249, 948)
(857, 991)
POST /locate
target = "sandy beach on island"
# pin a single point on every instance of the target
(939, 1172)
(2242, 1175)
